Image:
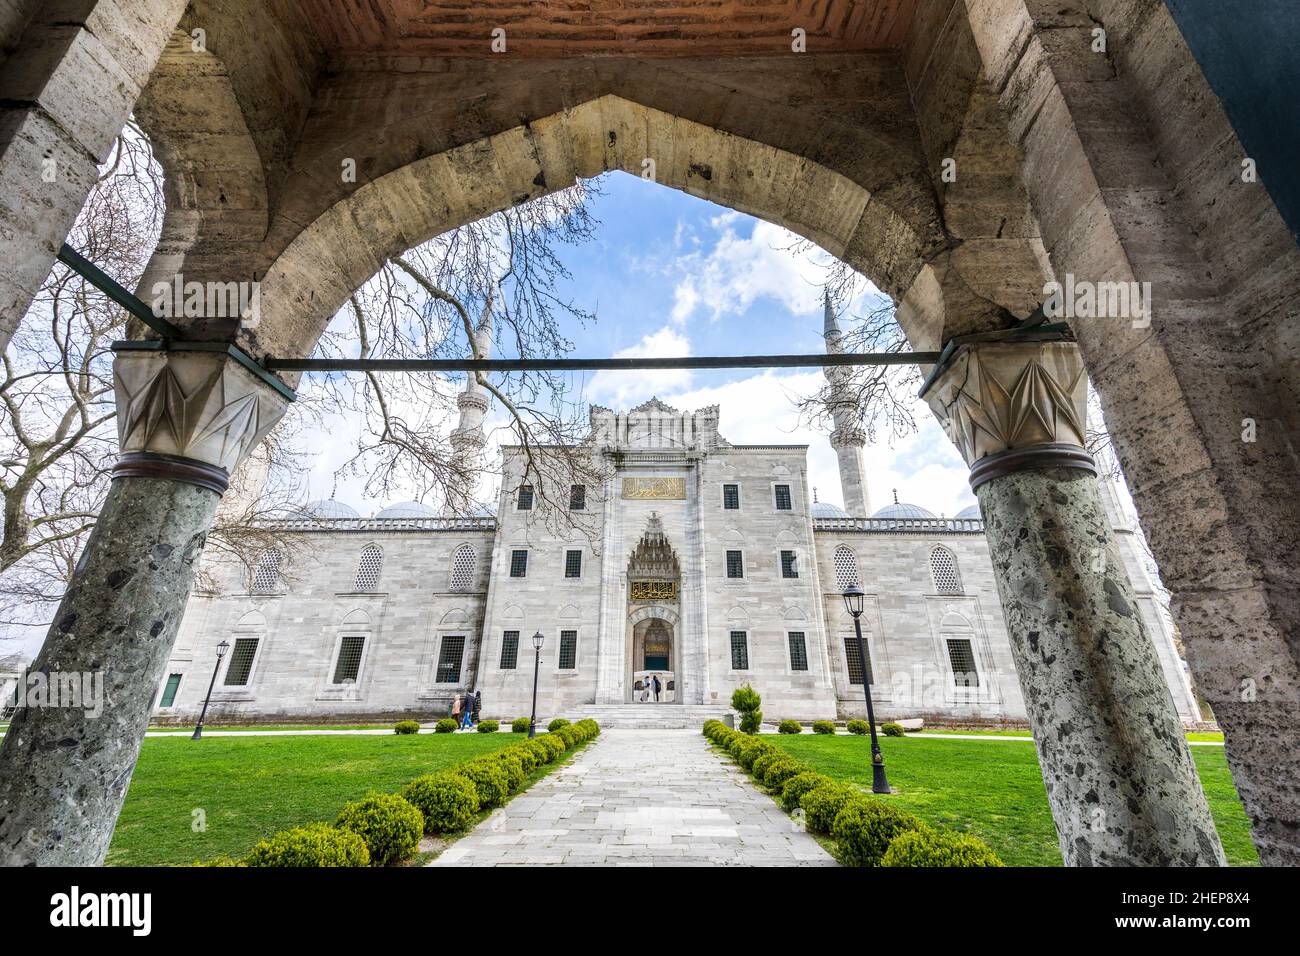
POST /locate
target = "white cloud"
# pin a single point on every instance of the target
(624, 389)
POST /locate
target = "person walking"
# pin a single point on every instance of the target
(453, 709)
(467, 722)
(478, 705)
(658, 687)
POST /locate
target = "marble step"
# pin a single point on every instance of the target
(650, 716)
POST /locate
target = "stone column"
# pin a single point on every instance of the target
(185, 422)
(65, 94)
(1119, 776)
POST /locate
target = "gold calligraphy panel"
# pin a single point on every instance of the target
(654, 590)
(650, 488)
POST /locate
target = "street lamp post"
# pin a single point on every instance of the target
(538, 641)
(221, 652)
(853, 603)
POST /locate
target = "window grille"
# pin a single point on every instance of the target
(731, 497)
(739, 651)
(368, 568)
(789, 568)
(519, 564)
(349, 663)
(735, 565)
(962, 657)
(525, 497)
(464, 561)
(449, 655)
(573, 564)
(854, 660)
(266, 574)
(568, 650)
(798, 651)
(509, 650)
(578, 498)
(783, 502)
(846, 568)
(943, 567)
(241, 661)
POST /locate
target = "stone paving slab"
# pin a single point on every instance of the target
(640, 797)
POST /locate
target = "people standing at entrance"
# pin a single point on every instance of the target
(467, 721)
(658, 687)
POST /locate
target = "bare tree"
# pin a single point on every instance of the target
(436, 300)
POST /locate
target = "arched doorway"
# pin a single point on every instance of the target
(654, 593)
(654, 659)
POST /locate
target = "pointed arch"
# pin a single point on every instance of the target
(845, 563)
(369, 567)
(943, 569)
(464, 568)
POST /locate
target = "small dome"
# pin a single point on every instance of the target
(971, 512)
(824, 509)
(407, 510)
(327, 510)
(902, 510)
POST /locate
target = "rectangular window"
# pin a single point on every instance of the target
(854, 660)
(798, 651)
(452, 650)
(519, 563)
(739, 651)
(735, 565)
(568, 650)
(525, 497)
(783, 498)
(241, 661)
(789, 569)
(962, 658)
(731, 497)
(169, 692)
(349, 662)
(509, 650)
(573, 564)
(577, 497)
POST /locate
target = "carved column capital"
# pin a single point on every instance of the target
(189, 416)
(1008, 406)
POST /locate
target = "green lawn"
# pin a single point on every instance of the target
(251, 787)
(995, 789)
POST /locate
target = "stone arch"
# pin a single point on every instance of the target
(356, 618)
(252, 620)
(656, 611)
(333, 255)
(455, 616)
(570, 612)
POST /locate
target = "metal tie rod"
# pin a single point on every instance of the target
(597, 364)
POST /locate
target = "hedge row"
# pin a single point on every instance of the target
(383, 828)
(867, 831)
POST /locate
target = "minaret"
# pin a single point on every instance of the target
(467, 440)
(847, 439)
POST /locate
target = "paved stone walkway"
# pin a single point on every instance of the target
(640, 798)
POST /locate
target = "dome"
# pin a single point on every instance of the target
(904, 511)
(824, 509)
(972, 512)
(407, 511)
(327, 510)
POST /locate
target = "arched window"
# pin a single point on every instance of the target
(846, 567)
(266, 573)
(463, 561)
(943, 567)
(368, 568)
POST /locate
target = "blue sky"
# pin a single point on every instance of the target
(669, 274)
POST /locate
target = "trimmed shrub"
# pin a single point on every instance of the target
(865, 827)
(445, 726)
(489, 726)
(776, 773)
(316, 844)
(792, 790)
(823, 727)
(520, 725)
(541, 753)
(489, 779)
(858, 727)
(891, 729)
(752, 751)
(512, 765)
(219, 861)
(390, 826)
(526, 757)
(569, 736)
(761, 762)
(552, 743)
(406, 727)
(556, 724)
(822, 804)
(448, 801)
(928, 847)
(747, 701)
(589, 727)
(790, 727)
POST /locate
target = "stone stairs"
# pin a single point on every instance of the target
(648, 716)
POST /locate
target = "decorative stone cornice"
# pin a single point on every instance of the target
(849, 437)
(1014, 405)
(189, 415)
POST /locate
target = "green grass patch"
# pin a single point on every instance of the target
(249, 728)
(251, 787)
(995, 790)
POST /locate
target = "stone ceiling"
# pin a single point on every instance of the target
(607, 27)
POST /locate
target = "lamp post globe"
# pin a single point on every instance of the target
(538, 640)
(853, 602)
(221, 652)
